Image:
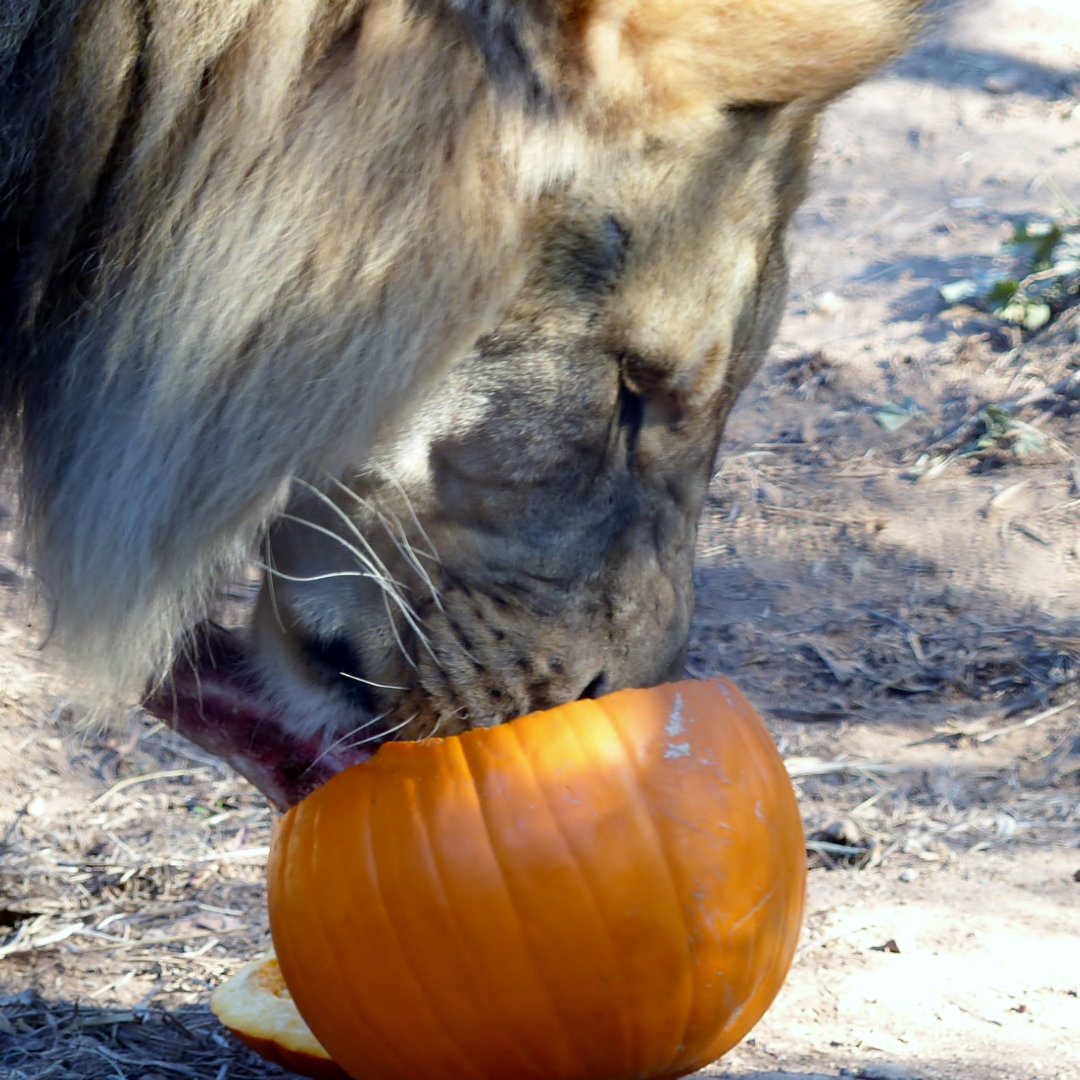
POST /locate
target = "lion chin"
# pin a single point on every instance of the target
(436, 308)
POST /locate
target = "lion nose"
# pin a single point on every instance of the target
(597, 687)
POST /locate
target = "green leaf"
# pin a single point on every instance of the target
(1001, 292)
(1035, 241)
(997, 423)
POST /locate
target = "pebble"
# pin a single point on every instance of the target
(828, 303)
(885, 1070)
(909, 875)
(1004, 82)
(844, 831)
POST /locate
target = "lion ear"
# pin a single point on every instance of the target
(678, 55)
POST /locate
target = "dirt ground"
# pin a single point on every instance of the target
(893, 581)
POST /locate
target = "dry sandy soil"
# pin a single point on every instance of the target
(903, 605)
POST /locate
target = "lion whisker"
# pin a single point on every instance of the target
(336, 743)
(349, 524)
(372, 562)
(267, 569)
(274, 573)
(383, 734)
(304, 580)
(431, 553)
(397, 637)
(432, 550)
(390, 588)
(408, 552)
(375, 570)
(381, 686)
(400, 539)
(387, 591)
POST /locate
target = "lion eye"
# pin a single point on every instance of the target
(597, 687)
(752, 110)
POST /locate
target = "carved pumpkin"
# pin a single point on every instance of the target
(609, 889)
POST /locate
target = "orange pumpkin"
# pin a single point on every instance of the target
(256, 1007)
(606, 890)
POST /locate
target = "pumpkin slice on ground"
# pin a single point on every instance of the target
(256, 1007)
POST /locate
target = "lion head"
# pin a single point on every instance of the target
(438, 305)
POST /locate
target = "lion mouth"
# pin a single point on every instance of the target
(212, 698)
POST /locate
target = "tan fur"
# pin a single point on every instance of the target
(664, 58)
(249, 237)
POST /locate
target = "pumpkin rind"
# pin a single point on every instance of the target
(256, 1007)
(608, 889)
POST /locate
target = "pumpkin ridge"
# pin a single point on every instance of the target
(658, 844)
(281, 933)
(756, 751)
(744, 728)
(570, 727)
(377, 884)
(361, 811)
(759, 750)
(723, 1039)
(476, 975)
(461, 745)
(677, 1064)
(309, 823)
(278, 867)
(690, 1057)
(556, 1012)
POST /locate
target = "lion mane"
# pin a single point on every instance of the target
(238, 239)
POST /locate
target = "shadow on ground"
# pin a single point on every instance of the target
(64, 1040)
(77, 1040)
(988, 71)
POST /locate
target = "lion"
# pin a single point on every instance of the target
(436, 308)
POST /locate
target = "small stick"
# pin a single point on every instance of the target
(829, 848)
(986, 736)
(807, 946)
(130, 781)
(801, 766)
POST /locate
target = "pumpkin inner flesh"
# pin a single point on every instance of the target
(255, 1004)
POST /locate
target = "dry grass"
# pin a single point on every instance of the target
(71, 1040)
(146, 894)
